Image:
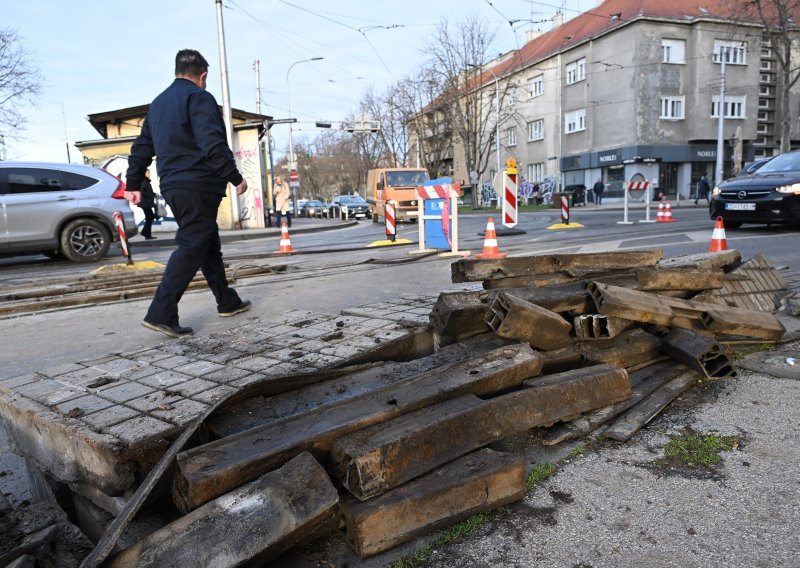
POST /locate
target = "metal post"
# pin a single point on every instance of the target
(227, 113)
(723, 55)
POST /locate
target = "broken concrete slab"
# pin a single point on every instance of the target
(725, 260)
(478, 482)
(254, 523)
(474, 270)
(459, 314)
(514, 318)
(753, 285)
(372, 461)
(698, 352)
(207, 471)
(597, 326)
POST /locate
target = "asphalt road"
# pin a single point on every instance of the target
(611, 507)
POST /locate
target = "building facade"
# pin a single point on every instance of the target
(631, 91)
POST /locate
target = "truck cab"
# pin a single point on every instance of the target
(394, 184)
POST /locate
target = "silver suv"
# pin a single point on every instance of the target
(60, 209)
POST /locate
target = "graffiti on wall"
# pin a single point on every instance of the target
(248, 160)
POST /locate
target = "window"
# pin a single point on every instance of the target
(33, 180)
(672, 108)
(763, 115)
(536, 85)
(512, 136)
(575, 121)
(536, 130)
(766, 65)
(735, 52)
(734, 106)
(511, 95)
(763, 103)
(535, 172)
(576, 71)
(765, 91)
(763, 128)
(673, 50)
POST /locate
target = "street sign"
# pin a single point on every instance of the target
(294, 176)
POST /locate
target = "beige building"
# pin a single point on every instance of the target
(630, 91)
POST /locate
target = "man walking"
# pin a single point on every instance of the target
(598, 188)
(185, 131)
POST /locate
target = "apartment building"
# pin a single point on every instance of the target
(631, 90)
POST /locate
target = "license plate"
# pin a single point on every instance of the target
(740, 206)
(360, 215)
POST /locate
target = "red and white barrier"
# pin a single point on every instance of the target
(509, 209)
(119, 222)
(391, 226)
(565, 209)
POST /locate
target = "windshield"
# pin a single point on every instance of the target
(415, 178)
(313, 203)
(789, 162)
(351, 199)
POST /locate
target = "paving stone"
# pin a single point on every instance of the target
(227, 375)
(19, 380)
(320, 361)
(61, 370)
(181, 412)
(308, 332)
(216, 394)
(287, 341)
(140, 429)
(288, 353)
(223, 356)
(253, 348)
(140, 371)
(311, 345)
(172, 362)
(165, 379)
(122, 392)
(98, 360)
(199, 368)
(342, 351)
(153, 400)
(150, 355)
(116, 366)
(84, 405)
(178, 347)
(192, 387)
(284, 368)
(256, 363)
(48, 392)
(109, 416)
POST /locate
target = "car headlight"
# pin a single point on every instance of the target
(794, 188)
(716, 191)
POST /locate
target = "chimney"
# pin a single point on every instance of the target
(558, 19)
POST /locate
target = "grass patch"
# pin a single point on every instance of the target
(740, 354)
(462, 529)
(578, 451)
(699, 451)
(539, 473)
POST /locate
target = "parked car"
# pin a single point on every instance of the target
(312, 208)
(356, 205)
(770, 195)
(60, 209)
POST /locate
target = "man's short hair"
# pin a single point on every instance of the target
(189, 62)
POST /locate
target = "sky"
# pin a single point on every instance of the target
(103, 55)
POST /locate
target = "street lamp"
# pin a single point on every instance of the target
(496, 109)
(292, 165)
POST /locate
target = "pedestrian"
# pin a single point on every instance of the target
(283, 202)
(147, 204)
(598, 188)
(185, 131)
(703, 190)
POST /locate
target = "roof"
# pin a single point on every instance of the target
(613, 14)
(101, 120)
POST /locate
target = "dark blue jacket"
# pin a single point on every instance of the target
(184, 129)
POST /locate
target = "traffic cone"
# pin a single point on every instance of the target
(660, 214)
(285, 244)
(668, 215)
(490, 248)
(718, 242)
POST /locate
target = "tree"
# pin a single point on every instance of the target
(19, 82)
(779, 18)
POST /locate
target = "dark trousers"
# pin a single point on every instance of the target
(149, 217)
(198, 247)
(288, 216)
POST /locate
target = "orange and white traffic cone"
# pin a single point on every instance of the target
(490, 248)
(285, 244)
(718, 241)
(668, 214)
(660, 215)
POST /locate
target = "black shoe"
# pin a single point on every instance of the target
(244, 305)
(171, 330)
(150, 238)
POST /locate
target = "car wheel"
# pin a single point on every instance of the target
(85, 240)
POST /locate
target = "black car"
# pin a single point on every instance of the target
(311, 208)
(770, 195)
(355, 205)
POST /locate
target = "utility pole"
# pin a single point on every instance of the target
(723, 55)
(227, 113)
(257, 68)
